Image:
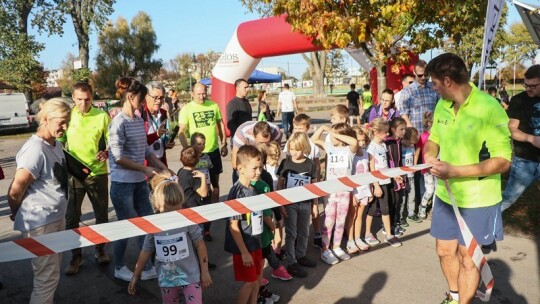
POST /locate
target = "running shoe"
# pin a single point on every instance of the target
(267, 294)
(351, 247)
(403, 222)
(361, 245)
(281, 274)
(449, 299)
(342, 255)
(296, 271)
(328, 257)
(304, 261)
(393, 241)
(414, 218)
(371, 240)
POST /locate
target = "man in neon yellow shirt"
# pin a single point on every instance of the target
(471, 137)
(203, 116)
(86, 139)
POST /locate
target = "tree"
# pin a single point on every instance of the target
(84, 14)
(469, 47)
(519, 44)
(335, 66)
(126, 50)
(382, 28)
(18, 50)
(206, 62)
(307, 74)
(317, 65)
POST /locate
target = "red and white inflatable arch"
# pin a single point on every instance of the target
(252, 41)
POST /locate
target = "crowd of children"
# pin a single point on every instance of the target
(259, 235)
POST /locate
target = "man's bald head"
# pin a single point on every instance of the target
(199, 92)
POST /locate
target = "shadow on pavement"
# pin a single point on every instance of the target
(374, 284)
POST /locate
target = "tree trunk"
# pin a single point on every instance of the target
(317, 65)
(81, 29)
(381, 82)
(24, 10)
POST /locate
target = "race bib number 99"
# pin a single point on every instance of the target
(295, 180)
(170, 248)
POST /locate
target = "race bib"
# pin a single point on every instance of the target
(206, 173)
(171, 248)
(295, 180)
(381, 161)
(338, 159)
(408, 159)
(256, 222)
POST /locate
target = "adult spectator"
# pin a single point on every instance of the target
(493, 92)
(253, 133)
(524, 125)
(474, 149)
(418, 98)
(386, 108)
(86, 138)
(156, 121)
(171, 104)
(203, 116)
(128, 150)
(37, 196)
(238, 109)
(353, 99)
(367, 98)
(406, 80)
(288, 107)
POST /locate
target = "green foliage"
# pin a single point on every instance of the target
(520, 45)
(126, 50)
(182, 84)
(335, 66)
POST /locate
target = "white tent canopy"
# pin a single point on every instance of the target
(531, 17)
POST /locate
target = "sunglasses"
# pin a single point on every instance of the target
(410, 82)
(420, 75)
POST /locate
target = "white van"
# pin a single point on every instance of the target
(14, 112)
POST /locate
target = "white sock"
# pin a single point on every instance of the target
(455, 295)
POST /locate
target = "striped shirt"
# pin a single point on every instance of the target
(127, 139)
(416, 100)
(244, 134)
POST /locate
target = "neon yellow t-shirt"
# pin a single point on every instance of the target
(477, 132)
(83, 136)
(202, 118)
(367, 100)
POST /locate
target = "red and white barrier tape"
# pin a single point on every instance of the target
(103, 233)
(474, 250)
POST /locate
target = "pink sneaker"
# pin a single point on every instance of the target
(265, 281)
(281, 273)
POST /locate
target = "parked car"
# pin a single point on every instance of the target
(14, 112)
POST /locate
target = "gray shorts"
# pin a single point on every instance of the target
(485, 223)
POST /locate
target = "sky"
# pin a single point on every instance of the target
(186, 26)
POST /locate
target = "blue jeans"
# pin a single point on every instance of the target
(287, 121)
(522, 174)
(129, 200)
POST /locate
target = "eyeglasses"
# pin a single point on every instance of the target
(530, 86)
(410, 82)
(420, 76)
(160, 98)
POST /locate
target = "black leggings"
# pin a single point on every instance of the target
(385, 202)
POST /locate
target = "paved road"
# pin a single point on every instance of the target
(408, 274)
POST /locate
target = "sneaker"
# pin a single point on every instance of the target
(342, 255)
(422, 213)
(351, 247)
(328, 257)
(101, 257)
(449, 299)
(399, 229)
(393, 241)
(371, 240)
(296, 271)
(404, 223)
(265, 282)
(74, 264)
(361, 245)
(263, 300)
(267, 294)
(281, 274)
(123, 274)
(207, 237)
(149, 274)
(317, 242)
(414, 218)
(304, 261)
